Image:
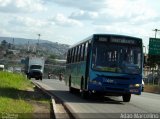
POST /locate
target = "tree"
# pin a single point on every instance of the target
(9, 45)
(153, 60)
(52, 56)
(4, 43)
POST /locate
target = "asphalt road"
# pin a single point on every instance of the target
(109, 107)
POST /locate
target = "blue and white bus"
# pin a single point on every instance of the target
(108, 64)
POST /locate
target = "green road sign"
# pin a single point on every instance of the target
(154, 46)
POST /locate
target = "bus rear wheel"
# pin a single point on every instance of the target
(41, 78)
(71, 90)
(84, 94)
(126, 97)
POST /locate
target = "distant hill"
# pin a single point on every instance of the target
(22, 41)
(44, 45)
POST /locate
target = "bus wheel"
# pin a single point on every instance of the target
(126, 97)
(41, 78)
(84, 94)
(70, 88)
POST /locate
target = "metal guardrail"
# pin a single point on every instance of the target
(151, 77)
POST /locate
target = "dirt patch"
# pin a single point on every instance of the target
(41, 104)
(152, 89)
(41, 110)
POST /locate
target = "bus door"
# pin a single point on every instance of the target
(88, 52)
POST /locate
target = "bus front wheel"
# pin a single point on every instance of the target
(126, 97)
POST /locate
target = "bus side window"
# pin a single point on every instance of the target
(70, 59)
(77, 53)
(68, 56)
(86, 51)
(73, 55)
(74, 50)
(82, 52)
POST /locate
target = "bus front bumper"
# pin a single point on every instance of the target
(114, 90)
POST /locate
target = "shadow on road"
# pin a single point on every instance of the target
(61, 92)
(66, 96)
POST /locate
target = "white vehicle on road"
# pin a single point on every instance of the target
(142, 85)
(1, 67)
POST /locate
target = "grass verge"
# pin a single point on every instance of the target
(18, 95)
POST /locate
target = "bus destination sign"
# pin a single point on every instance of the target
(103, 39)
(122, 40)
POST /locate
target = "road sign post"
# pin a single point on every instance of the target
(154, 51)
(154, 46)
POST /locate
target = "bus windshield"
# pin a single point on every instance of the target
(118, 58)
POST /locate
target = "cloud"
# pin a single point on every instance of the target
(14, 6)
(4, 2)
(62, 20)
(4, 32)
(128, 17)
(84, 15)
(132, 10)
(124, 29)
(110, 11)
(87, 5)
(135, 12)
(28, 22)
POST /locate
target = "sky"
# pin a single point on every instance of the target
(70, 21)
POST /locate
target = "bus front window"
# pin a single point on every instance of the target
(116, 58)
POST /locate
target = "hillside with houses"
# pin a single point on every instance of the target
(12, 51)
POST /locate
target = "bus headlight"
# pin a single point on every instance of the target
(134, 85)
(137, 85)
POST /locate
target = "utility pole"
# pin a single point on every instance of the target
(28, 46)
(12, 44)
(39, 35)
(156, 30)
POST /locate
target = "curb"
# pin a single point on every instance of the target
(58, 108)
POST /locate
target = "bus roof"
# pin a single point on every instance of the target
(90, 37)
(82, 41)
